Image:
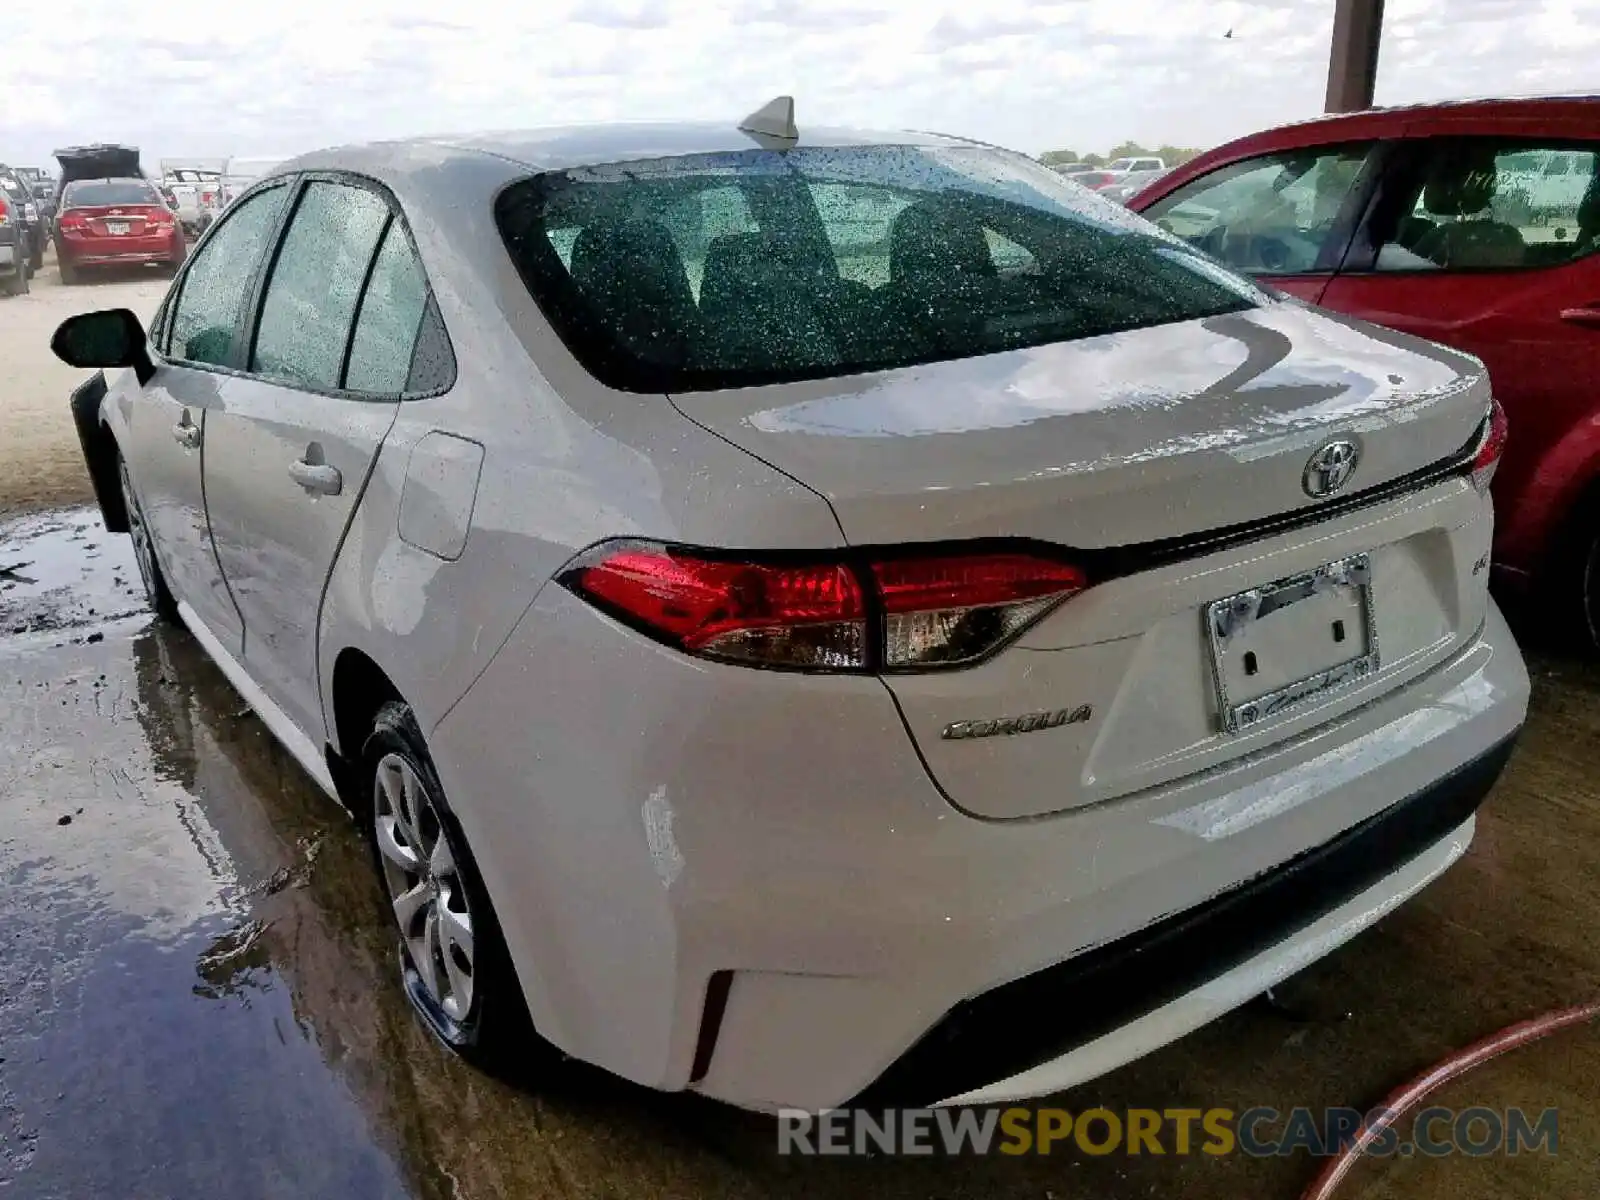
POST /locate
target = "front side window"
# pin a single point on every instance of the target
(1485, 204)
(1276, 215)
(757, 266)
(310, 301)
(209, 306)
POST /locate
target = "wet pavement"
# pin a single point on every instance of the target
(197, 993)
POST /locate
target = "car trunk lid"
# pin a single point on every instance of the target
(1154, 458)
(99, 162)
(1132, 437)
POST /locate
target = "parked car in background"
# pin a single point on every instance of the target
(116, 223)
(1476, 224)
(196, 192)
(15, 246)
(1125, 166)
(27, 214)
(1130, 184)
(1072, 169)
(857, 617)
(43, 185)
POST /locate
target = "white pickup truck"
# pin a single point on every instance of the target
(196, 186)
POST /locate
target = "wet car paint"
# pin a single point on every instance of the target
(197, 987)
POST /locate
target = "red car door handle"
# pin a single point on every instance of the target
(1589, 315)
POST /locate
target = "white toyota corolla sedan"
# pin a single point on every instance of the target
(806, 616)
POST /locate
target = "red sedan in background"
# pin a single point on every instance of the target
(1476, 224)
(115, 223)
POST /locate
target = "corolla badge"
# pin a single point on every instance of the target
(1027, 723)
(1330, 468)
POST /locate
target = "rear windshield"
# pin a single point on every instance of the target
(729, 270)
(88, 192)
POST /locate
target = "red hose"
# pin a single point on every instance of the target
(1404, 1098)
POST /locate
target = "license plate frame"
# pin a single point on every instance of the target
(1230, 616)
(118, 228)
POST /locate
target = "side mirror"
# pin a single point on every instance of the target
(112, 337)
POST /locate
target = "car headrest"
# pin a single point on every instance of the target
(758, 311)
(1589, 206)
(632, 273)
(1462, 184)
(936, 239)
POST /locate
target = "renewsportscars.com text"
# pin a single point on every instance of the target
(1258, 1132)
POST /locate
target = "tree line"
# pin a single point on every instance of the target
(1171, 155)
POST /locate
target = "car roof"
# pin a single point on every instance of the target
(1372, 123)
(1335, 124)
(564, 147)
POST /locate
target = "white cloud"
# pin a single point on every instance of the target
(297, 74)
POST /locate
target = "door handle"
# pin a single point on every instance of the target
(186, 433)
(1588, 314)
(318, 478)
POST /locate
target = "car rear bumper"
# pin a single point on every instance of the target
(1076, 1020)
(81, 253)
(744, 882)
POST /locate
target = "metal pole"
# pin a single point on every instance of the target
(1353, 64)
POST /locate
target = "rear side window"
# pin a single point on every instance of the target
(385, 336)
(209, 306)
(1486, 204)
(759, 266)
(311, 298)
(94, 193)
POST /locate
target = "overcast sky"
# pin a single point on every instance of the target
(292, 75)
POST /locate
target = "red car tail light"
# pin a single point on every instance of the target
(72, 222)
(5, 211)
(895, 614)
(1491, 445)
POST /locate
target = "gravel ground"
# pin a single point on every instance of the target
(43, 467)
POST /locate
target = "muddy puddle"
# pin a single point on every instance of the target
(197, 993)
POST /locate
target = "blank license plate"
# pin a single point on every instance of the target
(1277, 647)
(116, 227)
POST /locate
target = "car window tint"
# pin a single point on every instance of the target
(316, 282)
(755, 266)
(391, 312)
(1270, 215)
(208, 308)
(1481, 204)
(88, 194)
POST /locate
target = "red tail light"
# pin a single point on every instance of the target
(890, 614)
(5, 210)
(207, 197)
(72, 222)
(1490, 447)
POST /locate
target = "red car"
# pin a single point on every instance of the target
(115, 223)
(1475, 224)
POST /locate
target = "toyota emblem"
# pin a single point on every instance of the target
(1330, 468)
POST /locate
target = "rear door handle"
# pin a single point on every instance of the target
(186, 433)
(318, 478)
(1588, 314)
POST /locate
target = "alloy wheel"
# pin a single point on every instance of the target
(143, 551)
(425, 887)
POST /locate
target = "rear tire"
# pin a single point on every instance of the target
(454, 965)
(36, 259)
(69, 274)
(144, 552)
(17, 284)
